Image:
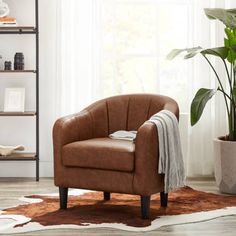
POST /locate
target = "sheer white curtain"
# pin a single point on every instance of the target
(109, 47)
(77, 55)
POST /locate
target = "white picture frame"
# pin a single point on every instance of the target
(14, 100)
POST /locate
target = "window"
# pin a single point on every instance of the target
(136, 37)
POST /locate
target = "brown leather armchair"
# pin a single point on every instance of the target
(85, 157)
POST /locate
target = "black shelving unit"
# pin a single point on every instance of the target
(34, 30)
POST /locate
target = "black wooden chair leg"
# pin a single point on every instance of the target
(106, 196)
(145, 206)
(164, 199)
(63, 192)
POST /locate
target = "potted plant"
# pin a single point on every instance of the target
(224, 147)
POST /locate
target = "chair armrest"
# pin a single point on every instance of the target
(146, 178)
(72, 128)
(69, 129)
(173, 107)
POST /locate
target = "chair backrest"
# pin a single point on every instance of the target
(126, 112)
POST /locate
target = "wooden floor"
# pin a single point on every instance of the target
(11, 189)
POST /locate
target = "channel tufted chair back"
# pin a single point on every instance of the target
(85, 157)
(127, 112)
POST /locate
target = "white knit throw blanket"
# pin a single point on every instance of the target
(170, 153)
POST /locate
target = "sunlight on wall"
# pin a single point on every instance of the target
(136, 39)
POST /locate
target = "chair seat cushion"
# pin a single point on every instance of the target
(100, 153)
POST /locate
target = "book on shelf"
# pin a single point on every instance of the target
(8, 21)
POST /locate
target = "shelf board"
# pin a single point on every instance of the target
(19, 157)
(17, 71)
(26, 113)
(18, 30)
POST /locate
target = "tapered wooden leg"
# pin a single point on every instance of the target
(63, 192)
(145, 206)
(164, 199)
(107, 196)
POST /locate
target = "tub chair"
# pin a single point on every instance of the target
(86, 158)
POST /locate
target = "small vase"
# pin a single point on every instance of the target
(19, 63)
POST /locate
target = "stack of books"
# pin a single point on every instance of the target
(7, 21)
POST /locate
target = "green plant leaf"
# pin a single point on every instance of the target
(228, 17)
(232, 56)
(233, 48)
(191, 52)
(219, 52)
(199, 102)
(233, 11)
(228, 42)
(174, 53)
(234, 93)
(231, 35)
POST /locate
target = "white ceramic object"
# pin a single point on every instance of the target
(225, 165)
(8, 150)
(4, 9)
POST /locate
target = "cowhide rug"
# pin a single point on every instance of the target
(88, 210)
